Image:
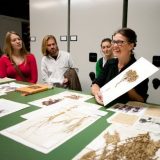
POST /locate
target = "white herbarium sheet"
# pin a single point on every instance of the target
(95, 149)
(51, 100)
(127, 108)
(56, 107)
(49, 130)
(6, 79)
(8, 87)
(148, 123)
(127, 80)
(7, 106)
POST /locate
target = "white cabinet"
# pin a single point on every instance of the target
(90, 21)
(143, 17)
(47, 17)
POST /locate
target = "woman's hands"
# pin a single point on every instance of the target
(99, 98)
(97, 94)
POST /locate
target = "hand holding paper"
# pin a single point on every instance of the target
(128, 79)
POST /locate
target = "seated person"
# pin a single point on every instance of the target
(123, 43)
(54, 62)
(16, 62)
(107, 54)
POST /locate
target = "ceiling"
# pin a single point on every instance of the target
(15, 8)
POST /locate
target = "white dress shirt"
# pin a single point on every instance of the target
(53, 70)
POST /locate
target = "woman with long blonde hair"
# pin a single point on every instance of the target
(16, 62)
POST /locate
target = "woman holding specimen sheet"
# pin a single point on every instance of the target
(123, 43)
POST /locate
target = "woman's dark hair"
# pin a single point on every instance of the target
(106, 40)
(129, 34)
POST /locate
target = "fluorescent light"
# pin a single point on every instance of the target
(46, 3)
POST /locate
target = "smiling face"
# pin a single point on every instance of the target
(106, 49)
(121, 48)
(16, 42)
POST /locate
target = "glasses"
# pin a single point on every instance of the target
(118, 42)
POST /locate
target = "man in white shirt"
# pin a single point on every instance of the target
(54, 62)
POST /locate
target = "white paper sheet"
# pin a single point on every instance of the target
(117, 86)
(46, 132)
(60, 97)
(7, 106)
(64, 104)
(4, 80)
(148, 123)
(1, 94)
(8, 87)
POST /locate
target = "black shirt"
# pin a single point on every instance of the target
(111, 70)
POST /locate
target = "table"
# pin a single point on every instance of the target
(12, 150)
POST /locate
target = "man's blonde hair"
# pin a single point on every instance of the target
(44, 44)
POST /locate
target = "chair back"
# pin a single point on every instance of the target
(73, 80)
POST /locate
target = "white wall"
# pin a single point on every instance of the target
(143, 17)
(47, 17)
(91, 21)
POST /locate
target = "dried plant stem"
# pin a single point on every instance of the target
(50, 118)
(130, 76)
(75, 125)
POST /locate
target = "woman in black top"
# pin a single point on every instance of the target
(123, 43)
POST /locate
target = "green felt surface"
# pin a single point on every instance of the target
(12, 150)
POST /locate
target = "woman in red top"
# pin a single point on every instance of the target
(16, 62)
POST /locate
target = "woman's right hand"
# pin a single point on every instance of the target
(99, 98)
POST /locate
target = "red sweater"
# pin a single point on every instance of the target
(28, 69)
